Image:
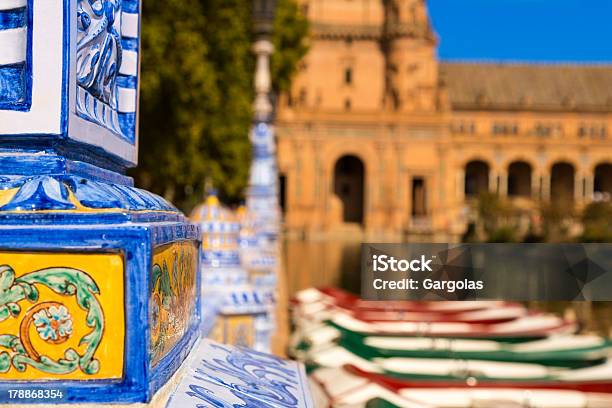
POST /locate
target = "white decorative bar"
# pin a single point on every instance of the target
(129, 25)
(13, 45)
(127, 100)
(12, 4)
(129, 63)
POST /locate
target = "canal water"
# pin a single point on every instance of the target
(321, 263)
(337, 263)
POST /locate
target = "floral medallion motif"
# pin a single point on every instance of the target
(53, 324)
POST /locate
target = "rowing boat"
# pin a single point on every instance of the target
(340, 298)
(349, 387)
(572, 351)
(454, 368)
(521, 329)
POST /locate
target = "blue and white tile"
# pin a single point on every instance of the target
(232, 377)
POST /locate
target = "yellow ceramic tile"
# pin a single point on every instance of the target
(61, 316)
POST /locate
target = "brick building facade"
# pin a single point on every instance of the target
(378, 138)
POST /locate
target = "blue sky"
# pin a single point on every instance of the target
(524, 30)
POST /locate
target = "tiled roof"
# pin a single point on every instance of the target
(510, 86)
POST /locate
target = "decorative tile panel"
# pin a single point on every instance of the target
(75, 305)
(173, 296)
(61, 316)
(107, 64)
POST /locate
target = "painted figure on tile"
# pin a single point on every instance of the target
(173, 280)
(99, 49)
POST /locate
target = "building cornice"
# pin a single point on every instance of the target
(344, 31)
(521, 107)
(376, 119)
(370, 31)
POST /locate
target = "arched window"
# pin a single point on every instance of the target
(519, 179)
(476, 178)
(562, 182)
(349, 178)
(603, 181)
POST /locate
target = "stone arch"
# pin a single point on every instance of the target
(562, 176)
(329, 152)
(602, 180)
(562, 159)
(476, 177)
(349, 187)
(519, 179)
(531, 161)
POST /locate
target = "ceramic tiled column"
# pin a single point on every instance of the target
(261, 254)
(233, 307)
(99, 291)
(262, 193)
